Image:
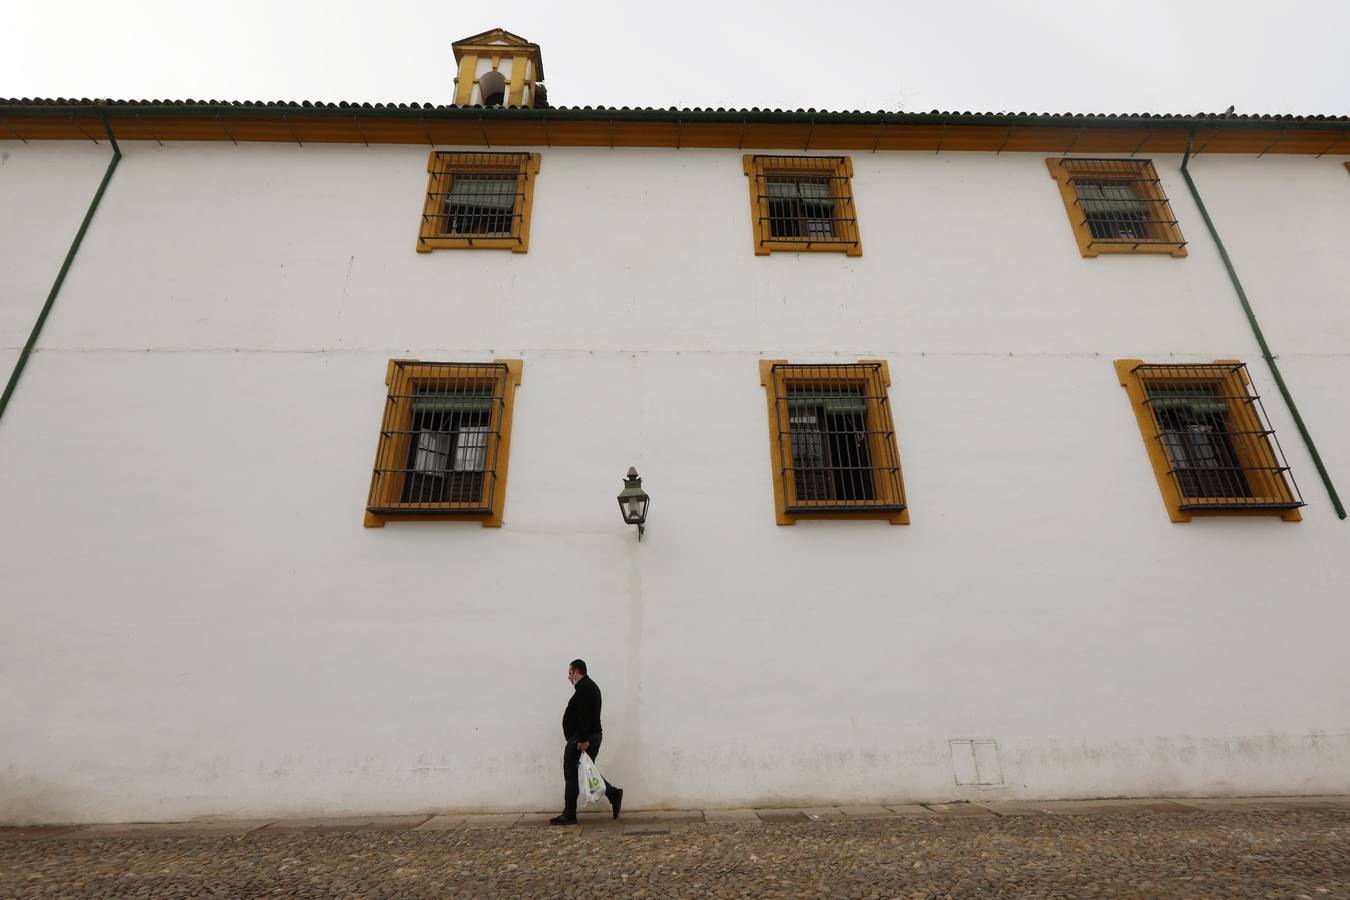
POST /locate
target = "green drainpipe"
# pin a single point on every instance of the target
(1256, 330)
(61, 276)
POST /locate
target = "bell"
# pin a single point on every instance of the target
(492, 87)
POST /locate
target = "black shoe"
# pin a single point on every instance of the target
(563, 820)
(616, 801)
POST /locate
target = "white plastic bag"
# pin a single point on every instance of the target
(591, 785)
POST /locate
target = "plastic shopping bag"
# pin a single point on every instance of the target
(591, 785)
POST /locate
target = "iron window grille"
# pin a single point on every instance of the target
(478, 200)
(1117, 206)
(1210, 438)
(443, 440)
(833, 440)
(803, 203)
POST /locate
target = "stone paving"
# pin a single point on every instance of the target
(1255, 847)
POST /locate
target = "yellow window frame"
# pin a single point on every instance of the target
(776, 375)
(403, 376)
(839, 171)
(442, 168)
(1253, 450)
(1165, 235)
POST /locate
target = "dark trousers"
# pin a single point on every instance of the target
(571, 788)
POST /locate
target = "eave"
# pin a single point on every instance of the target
(806, 130)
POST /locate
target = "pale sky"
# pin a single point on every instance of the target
(1181, 56)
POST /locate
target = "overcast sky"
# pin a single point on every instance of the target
(1180, 56)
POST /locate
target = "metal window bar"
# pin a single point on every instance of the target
(1221, 452)
(836, 439)
(477, 195)
(805, 201)
(440, 439)
(1122, 202)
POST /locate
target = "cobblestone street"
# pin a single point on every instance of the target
(1138, 849)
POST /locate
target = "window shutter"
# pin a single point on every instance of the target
(831, 403)
(1200, 403)
(1200, 407)
(485, 193)
(814, 190)
(817, 191)
(1109, 199)
(450, 403)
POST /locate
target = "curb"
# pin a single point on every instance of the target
(647, 822)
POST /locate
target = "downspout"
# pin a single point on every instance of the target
(65, 267)
(1256, 330)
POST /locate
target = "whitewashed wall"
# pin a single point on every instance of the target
(43, 198)
(194, 621)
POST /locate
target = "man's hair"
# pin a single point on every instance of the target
(579, 665)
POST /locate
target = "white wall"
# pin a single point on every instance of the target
(196, 623)
(44, 193)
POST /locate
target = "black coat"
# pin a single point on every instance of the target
(581, 719)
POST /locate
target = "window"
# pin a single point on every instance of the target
(1117, 206)
(802, 203)
(478, 201)
(444, 442)
(832, 442)
(1208, 438)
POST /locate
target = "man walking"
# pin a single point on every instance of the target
(581, 728)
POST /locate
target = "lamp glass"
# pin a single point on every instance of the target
(633, 500)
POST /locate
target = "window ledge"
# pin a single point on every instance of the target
(426, 245)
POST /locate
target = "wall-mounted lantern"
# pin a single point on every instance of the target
(633, 501)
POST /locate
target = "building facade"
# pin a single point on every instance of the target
(980, 504)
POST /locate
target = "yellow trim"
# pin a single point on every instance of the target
(840, 170)
(498, 45)
(517, 88)
(467, 78)
(502, 44)
(775, 385)
(1243, 414)
(438, 185)
(391, 368)
(400, 380)
(489, 37)
(1061, 169)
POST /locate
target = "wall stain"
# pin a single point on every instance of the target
(633, 669)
